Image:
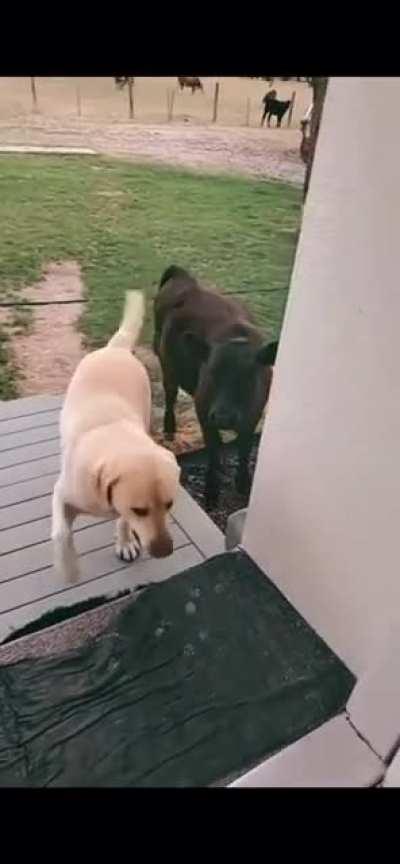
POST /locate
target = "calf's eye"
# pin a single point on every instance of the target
(169, 505)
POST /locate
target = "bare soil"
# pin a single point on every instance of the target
(251, 152)
(47, 351)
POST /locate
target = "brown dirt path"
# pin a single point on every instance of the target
(271, 153)
(47, 351)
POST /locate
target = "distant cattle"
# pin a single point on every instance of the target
(269, 97)
(275, 108)
(192, 83)
(122, 81)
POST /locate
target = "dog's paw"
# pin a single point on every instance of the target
(127, 551)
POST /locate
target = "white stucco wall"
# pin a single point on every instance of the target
(324, 515)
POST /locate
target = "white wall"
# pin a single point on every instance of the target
(324, 516)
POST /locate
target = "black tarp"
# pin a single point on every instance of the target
(197, 680)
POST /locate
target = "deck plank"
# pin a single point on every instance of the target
(109, 585)
(35, 532)
(98, 562)
(17, 440)
(26, 560)
(30, 421)
(29, 470)
(29, 405)
(30, 453)
(27, 490)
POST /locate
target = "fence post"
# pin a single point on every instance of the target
(170, 104)
(291, 106)
(131, 82)
(78, 101)
(215, 107)
(34, 95)
(248, 103)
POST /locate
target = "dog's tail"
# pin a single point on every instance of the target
(132, 322)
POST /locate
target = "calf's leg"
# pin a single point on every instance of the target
(171, 393)
(243, 481)
(212, 440)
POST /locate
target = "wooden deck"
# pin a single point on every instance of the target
(29, 587)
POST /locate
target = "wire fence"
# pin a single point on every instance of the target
(223, 101)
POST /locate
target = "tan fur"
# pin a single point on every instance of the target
(110, 464)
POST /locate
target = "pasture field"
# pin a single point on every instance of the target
(124, 223)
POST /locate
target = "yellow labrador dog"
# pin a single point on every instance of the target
(110, 464)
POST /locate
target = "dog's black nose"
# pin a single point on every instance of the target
(161, 547)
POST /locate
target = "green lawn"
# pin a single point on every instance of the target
(125, 223)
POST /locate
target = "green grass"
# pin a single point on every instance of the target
(125, 223)
(8, 372)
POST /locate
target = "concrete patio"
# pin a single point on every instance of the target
(29, 587)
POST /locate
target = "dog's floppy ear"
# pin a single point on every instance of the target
(104, 483)
(196, 345)
(267, 354)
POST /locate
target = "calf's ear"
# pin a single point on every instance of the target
(197, 345)
(267, 354)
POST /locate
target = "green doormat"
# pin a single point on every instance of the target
(197, 680)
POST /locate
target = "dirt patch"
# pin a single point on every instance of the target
(47, 351)
(271, 153)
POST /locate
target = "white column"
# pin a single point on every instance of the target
(324, 515)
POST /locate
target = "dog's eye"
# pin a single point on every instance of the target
(169, 505)
(140, 511)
